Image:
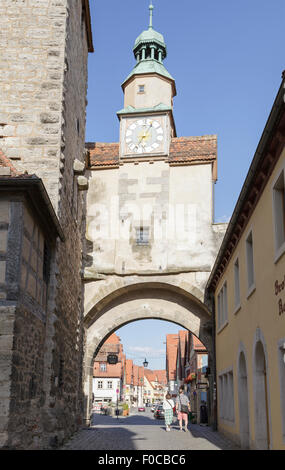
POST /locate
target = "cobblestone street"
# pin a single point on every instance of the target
(140, 431)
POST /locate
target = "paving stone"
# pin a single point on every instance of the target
(143, 432)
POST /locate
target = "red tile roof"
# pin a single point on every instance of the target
(171, 355)
(112, 370)
(129, 371)
(183, 151)
(197, 345)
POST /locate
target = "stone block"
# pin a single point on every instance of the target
(4, 211)
(3, 240)
(2, 271)
(5, 171)
(6, 343)
(82, 182)
(78, 167)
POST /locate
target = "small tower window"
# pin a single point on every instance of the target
(142, 236)
(141, 89)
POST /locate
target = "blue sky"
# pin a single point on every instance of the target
(226, 57)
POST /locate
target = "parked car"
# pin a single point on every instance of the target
(159, 412)
(141, 408)
(154, 406)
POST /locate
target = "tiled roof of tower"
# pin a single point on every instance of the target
(187, 150)
(183, 151)
(103, 154)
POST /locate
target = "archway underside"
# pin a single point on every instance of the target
(143, 301)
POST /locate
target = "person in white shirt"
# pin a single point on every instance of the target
(168, 405)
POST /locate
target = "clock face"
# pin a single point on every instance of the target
(144, 136)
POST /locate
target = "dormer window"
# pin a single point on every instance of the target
(141, 89)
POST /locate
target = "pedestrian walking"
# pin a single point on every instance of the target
(168, 406)
(183, 408)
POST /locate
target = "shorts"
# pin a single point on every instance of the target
(182, 416)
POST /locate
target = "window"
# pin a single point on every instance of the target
(279, 214)
(250, 266)
(223, 306)
(141, 89)
(100, 384)
(237, 285)
(103, 367)
(226, 396)
(109, 384)
(142, 236)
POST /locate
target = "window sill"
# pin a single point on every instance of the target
(279, 253)
(250, 291)
(237, 309)
(222, 327)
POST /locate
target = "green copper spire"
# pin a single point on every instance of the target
(150, 51)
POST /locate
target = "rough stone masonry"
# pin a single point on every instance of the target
(44, 46)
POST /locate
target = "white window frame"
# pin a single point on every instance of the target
(223, 307)
(226, 396)
(100, 384)
(249, 254)
(141, 91)
(103, 367)
(237, 297)
(278, 206)
(110, 384)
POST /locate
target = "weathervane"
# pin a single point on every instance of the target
(151, 7)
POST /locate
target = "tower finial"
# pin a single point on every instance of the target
(151, 7)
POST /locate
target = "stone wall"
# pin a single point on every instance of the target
(42, 124)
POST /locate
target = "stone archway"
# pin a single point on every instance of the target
(131, 301)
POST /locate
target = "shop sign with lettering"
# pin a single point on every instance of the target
(278, 288)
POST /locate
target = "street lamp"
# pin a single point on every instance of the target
(145, 364)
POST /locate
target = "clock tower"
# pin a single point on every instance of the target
(146, 122)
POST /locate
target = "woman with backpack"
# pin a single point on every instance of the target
(183, 408)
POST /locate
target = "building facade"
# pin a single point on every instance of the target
(108, 378)
(247, 284)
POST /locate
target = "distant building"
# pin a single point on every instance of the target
(196, 375)
(171, 362)
(108, 378)
(183, 338)
(128, 385)
(155, 385)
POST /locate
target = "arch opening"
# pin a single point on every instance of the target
(262, 429)
(243, 401)
(139, 301)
